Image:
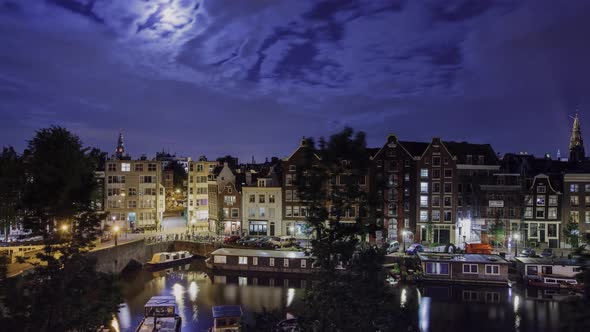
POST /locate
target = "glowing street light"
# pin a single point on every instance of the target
(116, 230)
(64, 228)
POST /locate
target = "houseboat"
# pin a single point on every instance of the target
(251, 260)
(533, 268)
(554, 281)
(465, 268)
(227, 318)
(160, 314)
(165, 259)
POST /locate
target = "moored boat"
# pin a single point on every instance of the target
(554, 281)
(163, 259)
(227, 318)
(161, 315)
(252, 260)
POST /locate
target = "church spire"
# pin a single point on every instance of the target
(120, 150)
(577, 153)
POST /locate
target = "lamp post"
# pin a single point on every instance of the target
(116, 230)
(515, 236)
(404, 233)
(193, 224)
(64, 229)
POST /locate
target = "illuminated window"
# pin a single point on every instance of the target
(125, 167)
(424, 187)
(243, 260)
(424, 172)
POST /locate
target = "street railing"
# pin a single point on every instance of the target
(183, 237)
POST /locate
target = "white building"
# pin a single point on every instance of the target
(262, 209)
(199, 173)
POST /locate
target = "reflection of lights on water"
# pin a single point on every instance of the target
(403, 298)
(290, 296)
(193, 291)
(517, 316)
(424, 314)
(243, 281)
(510, 295)
(516, 303)
(115, 324)
(124, 315)
(178, 292)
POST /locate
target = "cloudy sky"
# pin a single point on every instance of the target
(212, 77)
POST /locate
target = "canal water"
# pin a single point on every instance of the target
(439, 307)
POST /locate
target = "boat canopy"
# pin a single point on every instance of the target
(224, 311)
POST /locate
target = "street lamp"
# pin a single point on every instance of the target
(64, 227)
(515, 236)
(116, 230)
(404, 234)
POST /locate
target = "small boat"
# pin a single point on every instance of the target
(227, 318)
(163, 259)
(555, 281)
(161, 315)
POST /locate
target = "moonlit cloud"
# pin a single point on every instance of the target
(253, 76)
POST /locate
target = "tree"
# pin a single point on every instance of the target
(220, 222)
(12, 180)
(330, 175)
(571, 234)
(497, 230)
(64, 292)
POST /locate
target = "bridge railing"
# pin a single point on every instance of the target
(183, 237)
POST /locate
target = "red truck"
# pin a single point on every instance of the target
(478, 248)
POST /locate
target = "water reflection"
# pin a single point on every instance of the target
(196, 292)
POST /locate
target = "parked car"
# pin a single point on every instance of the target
(284, 241)
(287, 325)
(414, 248)
(138, 230)
(248, 241)
(547, 252)
(527, 252)
(264, 242)
(231, 239)
(392, 247)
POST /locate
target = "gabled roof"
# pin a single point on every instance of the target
(462, 149)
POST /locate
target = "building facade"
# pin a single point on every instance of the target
(543, 211)
(199, 174)
(262, 209)
(134, 194)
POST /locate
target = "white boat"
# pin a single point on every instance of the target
(169, 258)
(227, 318)
(161, 315)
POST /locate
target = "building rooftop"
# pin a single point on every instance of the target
(549, 261)
(467, 258)
(227, 311)
(259, 253)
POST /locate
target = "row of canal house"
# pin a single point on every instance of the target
(437, 191)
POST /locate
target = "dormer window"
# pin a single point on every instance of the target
(541, 189)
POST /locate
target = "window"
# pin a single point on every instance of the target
(574, 200)
(289, 180)
(470, 268)
(296, 211)
(436, 174)
(587, 188)
(261, 199)
(146, 179)
(285, 262)
(575, 216)
(493, 269)
(552, 213)
(225, 212)
(424, 172)
(587, 201)
(574, 188)
(131, 204)
(125, 167)
(271, 262)
(423, 215)
(541, 189)
(254, 260)
(424, 201)
(552, 230)
(436, 187)
(252, 198)
(448, 201)
(435, 161)
(424, 187)
(531, 270)
(229, 200)
(435, 215)
(132, 191)
(552, 200)
(437, 268)
(288, 195)
(139, 167)
(251, 212)
(448, 173)
(528, 200)
(436, 200)
(235, 213)
(448, 187)
(407, 177)
(219, 259)
(587, 217)
(271, 198)
(243, 260)
(289, 211)
(303, 263)
(540, 200)
(448, 216)
(540, 213)
(111, 167)
(292, 168)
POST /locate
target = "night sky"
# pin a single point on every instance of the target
(251, 77)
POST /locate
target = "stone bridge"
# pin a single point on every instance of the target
(115, 259)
